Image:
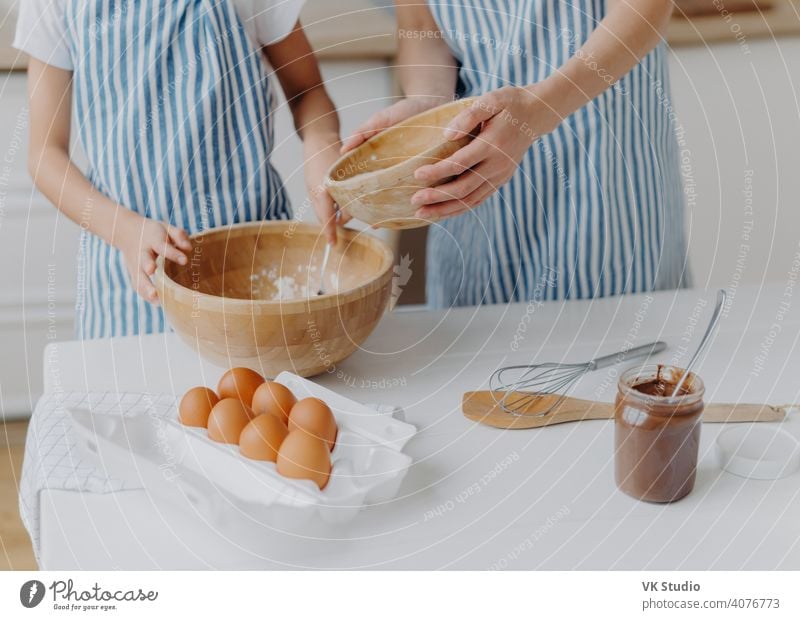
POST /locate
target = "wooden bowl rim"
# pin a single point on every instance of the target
(163, 280)
(331, 182)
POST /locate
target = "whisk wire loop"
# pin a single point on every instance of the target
(539, 389)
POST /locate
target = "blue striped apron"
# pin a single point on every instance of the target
(596, 207)
(174, 110)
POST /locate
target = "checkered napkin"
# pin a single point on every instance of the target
(54, 461)
(52, 458)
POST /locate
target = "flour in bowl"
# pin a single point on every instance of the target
(270, 284)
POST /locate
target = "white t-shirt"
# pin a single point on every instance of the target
(41, 26)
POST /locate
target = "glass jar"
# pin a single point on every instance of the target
(656, 436)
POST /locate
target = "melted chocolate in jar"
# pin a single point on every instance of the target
(657, 438)
(659, 387)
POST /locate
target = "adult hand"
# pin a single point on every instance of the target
(395, 113)
(510, 120)
(320, 156)
(141, 240)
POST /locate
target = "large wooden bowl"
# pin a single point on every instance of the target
(375, 182)
(218, 304)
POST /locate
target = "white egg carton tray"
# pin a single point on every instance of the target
(166, 457)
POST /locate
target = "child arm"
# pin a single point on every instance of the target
(62, 182)
(315, 117)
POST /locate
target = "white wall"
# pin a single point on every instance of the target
(741, 112)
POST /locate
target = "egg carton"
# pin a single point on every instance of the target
(164, 456)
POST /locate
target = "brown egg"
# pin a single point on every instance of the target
(196, 406)
(227, 420)
(315, 418)
(262, 438)
(273, 398)
(305, 457)
(240, 383)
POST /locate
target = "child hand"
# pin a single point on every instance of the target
(320, 156)
(141, 240)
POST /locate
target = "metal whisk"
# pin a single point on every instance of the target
(548, 383)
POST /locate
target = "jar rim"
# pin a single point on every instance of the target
(627, 381)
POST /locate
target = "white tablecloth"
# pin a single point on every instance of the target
(478, 497)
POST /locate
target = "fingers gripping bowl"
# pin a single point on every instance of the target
(375, 181)
(243, 298)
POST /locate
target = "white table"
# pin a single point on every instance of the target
(552, 502)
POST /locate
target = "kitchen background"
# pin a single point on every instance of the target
(735, 67)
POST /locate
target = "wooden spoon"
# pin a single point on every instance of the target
(482, 407)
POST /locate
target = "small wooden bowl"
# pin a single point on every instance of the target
(213, 302)
(375, 181)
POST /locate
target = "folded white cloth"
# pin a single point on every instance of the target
(53, 459)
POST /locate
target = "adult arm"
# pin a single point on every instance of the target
(513, 117)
